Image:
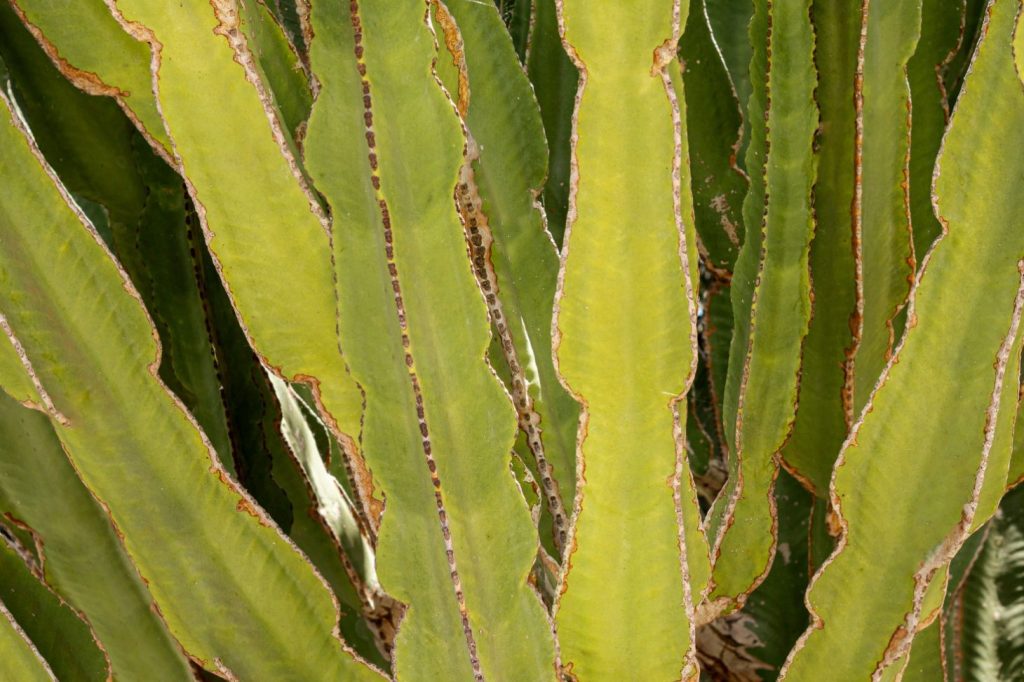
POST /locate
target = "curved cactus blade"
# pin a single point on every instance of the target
(929, 448)
(13, 379)
(770, 294)
(82, 556)
(99, 156)
(93, 52)
(330, 531)
(91, 345)
(882, 237)
(497, 195)
(258, 218)
(366, 615)
(62, 637)
(626, 346)
(438, 426)
(862, 259)
(825, 413)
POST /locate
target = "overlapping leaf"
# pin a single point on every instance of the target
(438, 426)
(770, 293)
(90, 359)
(910, 481)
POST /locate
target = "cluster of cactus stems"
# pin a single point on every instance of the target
(520, 340)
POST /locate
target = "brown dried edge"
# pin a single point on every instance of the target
(39, 567)
(663, 57)
(456, 49)
(1020, 76)
(528, 48)
(856, 213)
(47, 407)
(942, 65)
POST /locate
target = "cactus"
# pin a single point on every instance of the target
(519, 340)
